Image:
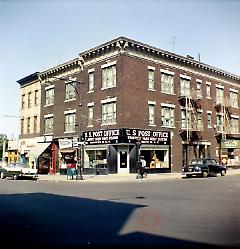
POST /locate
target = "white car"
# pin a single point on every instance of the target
(17, 170)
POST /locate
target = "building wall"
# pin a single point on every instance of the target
(133, 96)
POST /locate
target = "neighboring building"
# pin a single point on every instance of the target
(177, 107)
(30, 104)
(12, 151)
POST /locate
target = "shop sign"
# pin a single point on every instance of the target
(101, 137)
(115, 136)
(65, 143)
(230, 144)
(147, 136)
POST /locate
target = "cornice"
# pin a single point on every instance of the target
(122, 44)
(76, 63)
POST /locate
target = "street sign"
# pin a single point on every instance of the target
(75, 142)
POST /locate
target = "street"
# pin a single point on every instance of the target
(184, 212)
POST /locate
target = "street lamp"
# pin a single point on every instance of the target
(138, 144)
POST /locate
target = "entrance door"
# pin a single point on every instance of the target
(123, 160)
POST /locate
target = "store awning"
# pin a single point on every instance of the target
(67, 150)
(38, 150)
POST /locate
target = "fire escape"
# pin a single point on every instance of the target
(190, 129)
(191, 123)
(223, 128)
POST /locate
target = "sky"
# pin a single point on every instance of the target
(37, 35)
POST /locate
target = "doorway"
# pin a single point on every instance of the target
(123, 160)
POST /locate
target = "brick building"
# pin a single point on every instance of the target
(125, 91)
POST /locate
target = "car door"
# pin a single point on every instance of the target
(210, 165)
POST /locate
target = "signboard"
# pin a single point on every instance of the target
(115, 136)
(230, 144)
(65, 143)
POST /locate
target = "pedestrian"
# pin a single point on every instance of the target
(143, 161)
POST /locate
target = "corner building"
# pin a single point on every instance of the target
(125, 91)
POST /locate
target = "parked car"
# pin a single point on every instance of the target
(17, 170)
(203, 167)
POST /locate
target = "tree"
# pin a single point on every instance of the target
(3, 137)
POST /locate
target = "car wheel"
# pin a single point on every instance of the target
(223, 173)
(205, 174)
(15, 177)
(2, 175)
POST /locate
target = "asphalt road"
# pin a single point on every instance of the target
(198, 212)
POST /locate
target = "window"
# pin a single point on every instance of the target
(199, 121)
(22, 126)
(109, 76)
(199, 88)
(151, 108)
(151, 84)
(219, 96)
(219, 122)
(36, 98)
(183, 119)
(208, 90)
(209, 120)
(29, 99)
(28, 125)
(109, 113)
(23, 101)
(48, 125)
(234, 99)
(234, 125)
(90, 115)
(167, 83)
(70, 92)
(35, 124)
(167, 116)
(49, 96)
(91, 81)
(69, 122)
(185, 87)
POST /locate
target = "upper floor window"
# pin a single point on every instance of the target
(70, 92)
(28, 125)
(199, 121)
(49, 93)
(234, 98)
(90, 114)
(185, 86)
(167, 82)
(23, 101)
(219, 95)
(234, 125)
(29, 99)
(209, 119)
(151, 113)
(167, 116)
(36, 98)
(199, 88)
(35, 124)
(108, 76)
(219, 122)
(69, 122)
(208, 90)
(90, 80)
(151, 82)
(48, 124)
(22, 126)
(109, 115)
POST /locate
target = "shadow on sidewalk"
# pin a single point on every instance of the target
(47, 220)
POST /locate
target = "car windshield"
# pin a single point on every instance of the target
(14, 165)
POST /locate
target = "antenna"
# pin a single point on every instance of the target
(173, 43)
(199, 58)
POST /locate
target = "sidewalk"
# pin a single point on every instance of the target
(120, 177)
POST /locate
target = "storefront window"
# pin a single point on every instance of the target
(156, 158)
